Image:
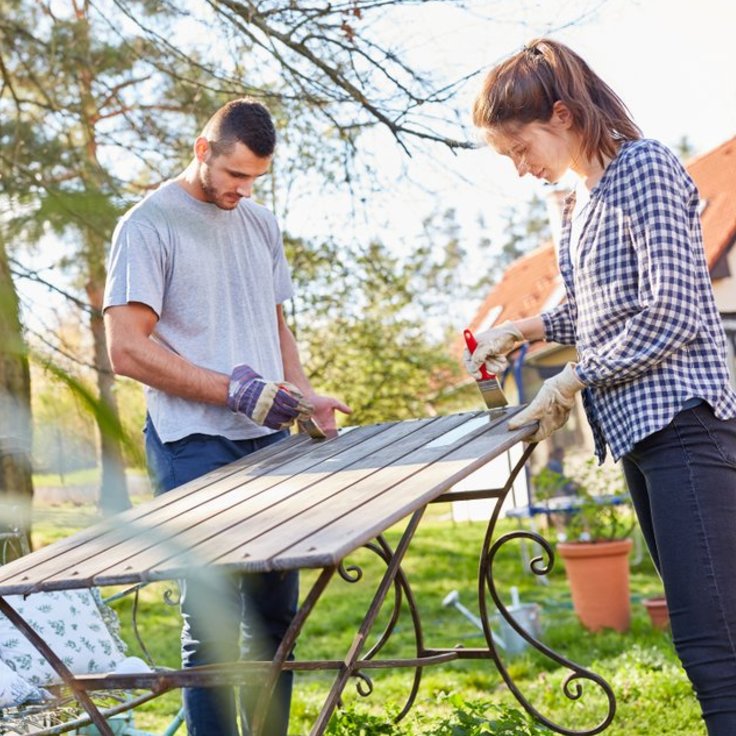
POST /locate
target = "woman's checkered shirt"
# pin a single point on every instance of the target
(640, 306)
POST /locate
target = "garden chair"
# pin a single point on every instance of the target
(84, 632)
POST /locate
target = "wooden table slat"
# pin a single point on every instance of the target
(298, 503)
(161, 536)
(306, 492)
(331, 543)
(390, 493)
(79, 564)
(26, 567)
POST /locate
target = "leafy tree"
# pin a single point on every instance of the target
(684, 148)
(526, 227)
(373, 325)
(95, 88)
(100, 100)
(84, 95)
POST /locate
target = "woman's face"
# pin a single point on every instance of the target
(545, 150)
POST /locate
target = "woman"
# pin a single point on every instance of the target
(650, 343)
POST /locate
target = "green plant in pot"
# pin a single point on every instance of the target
(594, 521)
(590, 503)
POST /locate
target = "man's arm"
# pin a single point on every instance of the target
(324, 406)
(134, 354)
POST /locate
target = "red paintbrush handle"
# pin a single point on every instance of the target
(472, 344)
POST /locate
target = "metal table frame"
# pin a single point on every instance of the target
(357, 663)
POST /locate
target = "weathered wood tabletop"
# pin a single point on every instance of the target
(301, 503)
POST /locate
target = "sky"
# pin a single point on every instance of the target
(671, 63)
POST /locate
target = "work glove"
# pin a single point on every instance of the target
(268, 403)
(552, 404)
(493, 346)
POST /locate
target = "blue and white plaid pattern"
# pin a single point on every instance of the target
(640, 305)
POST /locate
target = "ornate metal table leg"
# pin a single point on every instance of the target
(350, 664)
(572, 686)
(402, 590)
(286, 646)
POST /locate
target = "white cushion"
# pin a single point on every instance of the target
(69, 621)
(14, 690)
(132, 666)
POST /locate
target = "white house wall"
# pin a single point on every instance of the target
(725, 289)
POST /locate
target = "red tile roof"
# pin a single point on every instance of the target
(714, 173)
(524, 290)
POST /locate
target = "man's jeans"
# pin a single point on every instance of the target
(683, 484)
(224, 615)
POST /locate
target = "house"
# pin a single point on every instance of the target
(714, 174)
(533, 283)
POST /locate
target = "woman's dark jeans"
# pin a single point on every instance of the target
(226, 615)
(683, 484)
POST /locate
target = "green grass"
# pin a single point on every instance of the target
(654, 696)
(85, 476)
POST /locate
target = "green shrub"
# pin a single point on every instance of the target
(467, 718)
(352, 721)
(476, 718)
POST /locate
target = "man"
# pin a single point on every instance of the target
(196, 281)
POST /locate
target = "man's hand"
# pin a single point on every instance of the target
(493, 346)
(324, 411)
(271, 404)
(552, 405)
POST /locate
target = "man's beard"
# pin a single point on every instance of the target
(212, 195)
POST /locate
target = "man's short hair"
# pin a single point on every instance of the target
(241, 121)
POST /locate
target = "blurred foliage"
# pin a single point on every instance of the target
(603, 510)
(374, 327)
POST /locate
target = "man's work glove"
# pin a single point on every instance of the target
(270, 404)
(493, 346)
(552, 405)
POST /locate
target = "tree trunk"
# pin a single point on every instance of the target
(16, 480)
(113, 489)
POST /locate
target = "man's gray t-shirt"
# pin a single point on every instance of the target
(214, 278)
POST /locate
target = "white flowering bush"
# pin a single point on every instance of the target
(600, 507)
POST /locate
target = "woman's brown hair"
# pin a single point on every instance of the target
(524, 88)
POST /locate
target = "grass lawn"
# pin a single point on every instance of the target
(654, 696)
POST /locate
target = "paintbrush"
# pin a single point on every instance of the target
(488, 384)
(312, 429)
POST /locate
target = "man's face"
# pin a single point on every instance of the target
(227, 177)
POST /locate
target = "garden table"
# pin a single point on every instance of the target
(305, 504)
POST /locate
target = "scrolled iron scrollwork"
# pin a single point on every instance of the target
(351, 573)
(172, 596)
(402, 592)
(363, 684)
(572, 686)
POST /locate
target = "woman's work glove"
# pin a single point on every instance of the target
(552, 404)
(493, 346)
(270, 404)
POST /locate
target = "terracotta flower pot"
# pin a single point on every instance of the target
(598, 573)
(658, 612)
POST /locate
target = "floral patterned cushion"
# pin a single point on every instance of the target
(14, 690)
(69, 621)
